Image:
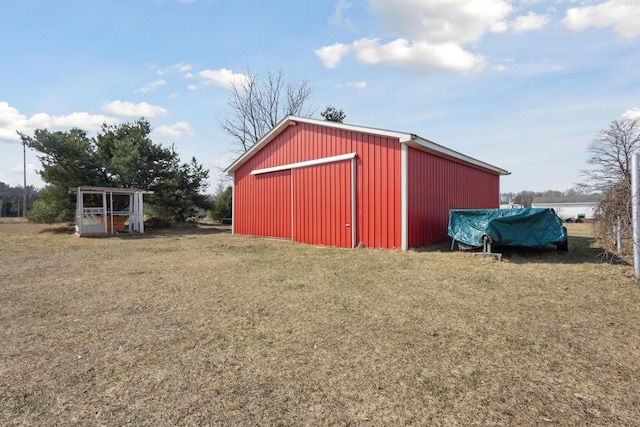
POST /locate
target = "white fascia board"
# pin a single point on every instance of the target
(409, 139)
(293, 120)
(308, 163)
(403, 137)
(426, 145)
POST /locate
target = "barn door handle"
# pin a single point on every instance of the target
(347, 225)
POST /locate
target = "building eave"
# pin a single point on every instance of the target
(430, 146)
(293, 120)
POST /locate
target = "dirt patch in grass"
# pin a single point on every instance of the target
(195, 326)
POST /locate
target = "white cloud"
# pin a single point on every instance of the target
(357, 85)
(499, 27)
(331, 55)
(176, 130)
(221, 78)
(419, 57)
(529, 22)
(631, 114)
(19, 167)
(129, 109)
(80, 120)
(8, 114)
(16, 174)
(438, 21)
(338, 15)
(151, 87)
(500, 68)
(192, 87)
(622, 15)
(179, 67)
(11, 121)
(425, 35)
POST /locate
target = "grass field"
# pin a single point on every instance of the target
(199, 327)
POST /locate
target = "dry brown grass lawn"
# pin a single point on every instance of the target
(199, 327)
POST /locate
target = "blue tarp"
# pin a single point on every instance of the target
(508, 227)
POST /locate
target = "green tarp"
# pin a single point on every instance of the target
(508, 227)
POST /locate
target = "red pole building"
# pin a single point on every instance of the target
(328, 183)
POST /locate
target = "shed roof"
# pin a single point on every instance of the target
(408, 139)
(88, 189)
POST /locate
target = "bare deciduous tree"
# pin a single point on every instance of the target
(524, 198)
(259, 105)
(507, 198)
(611, 154)
(610, 174)
(580, 189)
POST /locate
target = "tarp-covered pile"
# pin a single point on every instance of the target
(508, 227)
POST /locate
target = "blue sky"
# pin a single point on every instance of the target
(524, 85)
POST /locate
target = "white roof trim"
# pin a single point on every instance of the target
(426, 145)
(403, 137)
(308, 163)
(292, 120)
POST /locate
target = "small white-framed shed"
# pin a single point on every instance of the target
(104, 210)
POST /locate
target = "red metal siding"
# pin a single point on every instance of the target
(435, 185)
(378, 190)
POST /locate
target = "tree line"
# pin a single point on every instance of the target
(12, 199)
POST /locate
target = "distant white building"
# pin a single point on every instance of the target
(569, 207)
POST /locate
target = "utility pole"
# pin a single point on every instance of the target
(24, 189)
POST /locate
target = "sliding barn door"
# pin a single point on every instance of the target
(323, 204)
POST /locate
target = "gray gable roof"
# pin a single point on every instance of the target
(591, 198)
